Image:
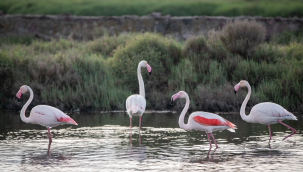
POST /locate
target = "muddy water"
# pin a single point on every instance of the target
(103, 142)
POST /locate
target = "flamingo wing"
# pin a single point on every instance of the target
(135, 104)
(272, 110)
(49, 116)
(210, 119)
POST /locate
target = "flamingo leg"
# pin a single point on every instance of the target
(130, 138)
(214, 139)
(139, 140)
(269, 132)
(50, 141)
(209, 139)
(130, 121)
(49, 136)
(293, 130)
(139, 124)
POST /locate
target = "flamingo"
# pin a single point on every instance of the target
(136, 103)
(203, 121)
(42, 114)
(264, 113)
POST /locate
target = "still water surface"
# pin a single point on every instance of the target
(103, 142)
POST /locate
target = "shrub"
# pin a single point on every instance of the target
(52, 46)
(195, 45)
(105, 45)
(287, 37)
(267, 52)
(221, 98)
(242, 37)
(294, 50)
(215, 47)
(254, 72)
(153, 48)
(26, 39)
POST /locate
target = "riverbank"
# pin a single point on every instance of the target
(100, 74)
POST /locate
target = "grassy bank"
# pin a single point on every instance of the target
(265, 8)
(101, 74)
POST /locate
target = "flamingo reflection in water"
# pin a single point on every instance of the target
(136, 152)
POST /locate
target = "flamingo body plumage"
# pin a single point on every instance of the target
(264, 113)
(268, 113)
(44, 115)
(49, 116)
(202, 121)
(136, 104)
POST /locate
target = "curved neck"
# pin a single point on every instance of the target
(181, 118)
(22, 113)
(141, 83)
(243, 106)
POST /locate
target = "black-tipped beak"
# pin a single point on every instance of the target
(18, 100)
(171, 101)
(235, 91)
(150, 73)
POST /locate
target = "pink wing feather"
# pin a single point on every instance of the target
(213, 122)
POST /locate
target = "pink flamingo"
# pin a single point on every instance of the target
(203, 121)
(43, 115)
(136, 104)
(265, 113)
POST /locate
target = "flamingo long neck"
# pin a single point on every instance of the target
(181, 118)
(141, 83)
(243, 106)
(22, 113)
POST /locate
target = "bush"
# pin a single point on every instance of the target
(26, 39)
(242, 37)
(73, 75)
(287, 37)
(267, 52)
(215, 46)
(221, 98)
(153, 48)
(195, 45)
(105, 45)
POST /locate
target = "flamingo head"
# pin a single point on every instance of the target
(180, 94)
(145, 64)
(22, 90)
(242, 83)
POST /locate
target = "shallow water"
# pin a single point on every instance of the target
(103, 142)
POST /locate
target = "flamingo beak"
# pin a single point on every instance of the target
(149, 69)
(174, 97)
(236, 88)
(18, 95)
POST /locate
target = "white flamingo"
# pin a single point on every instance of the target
(42, 114)
(136, 103)
(203, 121)
(264, 113)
